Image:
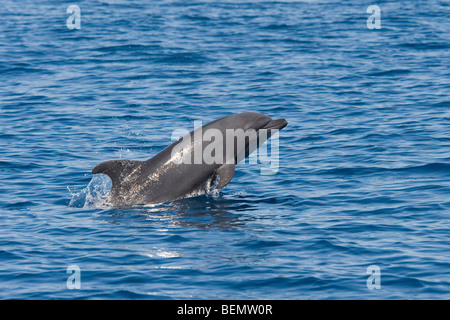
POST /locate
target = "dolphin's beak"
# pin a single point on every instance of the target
(95, 170)
(101, 168)
(276, 124)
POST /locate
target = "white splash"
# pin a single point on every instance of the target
(94, 195)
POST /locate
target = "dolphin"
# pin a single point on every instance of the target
(190, 164)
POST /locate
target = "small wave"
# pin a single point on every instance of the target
(182, 58)
(394, 72)
(347, 131)
(128, 48)
(436, 167)
(24, 70)
(18, 166)
(420, 169)
(277, 26)
(444, 104)
(425, 45)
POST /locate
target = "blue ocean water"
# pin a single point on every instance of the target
(364, 163)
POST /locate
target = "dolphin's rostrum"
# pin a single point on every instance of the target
(175, 172)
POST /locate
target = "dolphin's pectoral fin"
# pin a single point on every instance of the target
(226, 173)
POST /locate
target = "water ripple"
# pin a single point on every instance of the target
(363, 169)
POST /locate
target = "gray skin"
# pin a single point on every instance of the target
(161, 179)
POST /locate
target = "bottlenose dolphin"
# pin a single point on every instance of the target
(190, 164)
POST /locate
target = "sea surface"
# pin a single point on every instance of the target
(363, 178)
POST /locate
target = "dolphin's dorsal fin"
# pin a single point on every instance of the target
(226, 173)
(117, 170)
